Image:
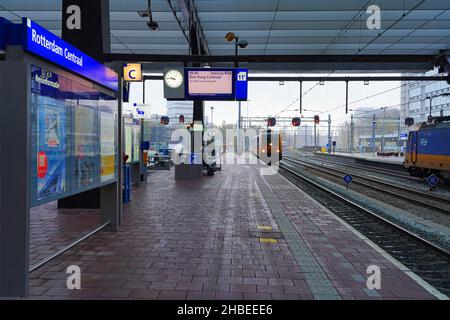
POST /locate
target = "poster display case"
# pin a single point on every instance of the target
(132, 132)
(74, 136)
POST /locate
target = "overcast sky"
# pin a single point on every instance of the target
(270, 98)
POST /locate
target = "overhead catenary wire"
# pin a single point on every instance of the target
(365, 46)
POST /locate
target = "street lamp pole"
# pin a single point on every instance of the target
(431, 104)
(383, 132)
(212, 113)
(230, 36)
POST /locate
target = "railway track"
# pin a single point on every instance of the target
(411, 195)
(391, 173)
(424, 258)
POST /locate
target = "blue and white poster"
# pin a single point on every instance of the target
(51, 149)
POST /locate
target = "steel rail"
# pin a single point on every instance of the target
(371, 186)
(408, 233)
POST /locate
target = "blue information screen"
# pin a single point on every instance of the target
(216, 84)
(45, 44)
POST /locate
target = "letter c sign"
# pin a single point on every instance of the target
(132, 72)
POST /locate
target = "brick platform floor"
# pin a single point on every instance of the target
(190, 240)
(52, 229)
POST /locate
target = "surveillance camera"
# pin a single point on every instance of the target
(243, 44)
(153, 25)
(144, 14)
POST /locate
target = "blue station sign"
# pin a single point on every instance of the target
(48, 46)
(347, 179)
(44, 44)
(432, 180)
(241, 84)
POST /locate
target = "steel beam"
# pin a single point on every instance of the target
(271, 58)
(333, 79)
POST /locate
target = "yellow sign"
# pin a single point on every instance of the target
(132, 72)
(267, 240)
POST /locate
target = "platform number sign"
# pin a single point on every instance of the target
(242, 76)
(432, 181)
(347, 179)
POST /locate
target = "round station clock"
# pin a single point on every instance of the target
(173, 78)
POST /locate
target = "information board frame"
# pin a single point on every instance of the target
(222, 97)
(70, 190)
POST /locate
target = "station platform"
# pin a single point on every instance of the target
(387, 162)
(192, 240)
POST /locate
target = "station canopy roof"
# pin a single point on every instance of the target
(271, 27)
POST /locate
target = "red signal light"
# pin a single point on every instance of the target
(296, 121)
(271, 122)
(316, 119)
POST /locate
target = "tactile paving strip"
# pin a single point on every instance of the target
(318, 282)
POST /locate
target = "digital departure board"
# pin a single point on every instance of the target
(215, 84)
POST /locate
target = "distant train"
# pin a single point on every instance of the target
(428, 149)
(268, 142)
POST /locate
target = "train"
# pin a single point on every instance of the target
(428, 149)
(267, 142)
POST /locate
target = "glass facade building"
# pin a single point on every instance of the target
(414, 102)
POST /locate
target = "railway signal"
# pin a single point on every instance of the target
(409, 121)
(164, 120)
(271, 122)
(296, 121)
(316, 119)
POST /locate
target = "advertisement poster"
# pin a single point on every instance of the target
(107, 146)
(136, 143)
(51, 148)
(128, 139)
(73, 136)
(85, 146)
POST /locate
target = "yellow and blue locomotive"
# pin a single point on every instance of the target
(428, 148)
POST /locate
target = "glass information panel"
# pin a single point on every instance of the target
(107, 145)
(51, 141)
(132, 131)
(136, 143)
(86, 143)
(74, 136)
(128, 139)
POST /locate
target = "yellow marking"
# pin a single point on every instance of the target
(267, 240)
(264, 227)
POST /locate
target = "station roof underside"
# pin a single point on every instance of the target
(414, 31)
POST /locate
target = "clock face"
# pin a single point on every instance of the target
(173, 78)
